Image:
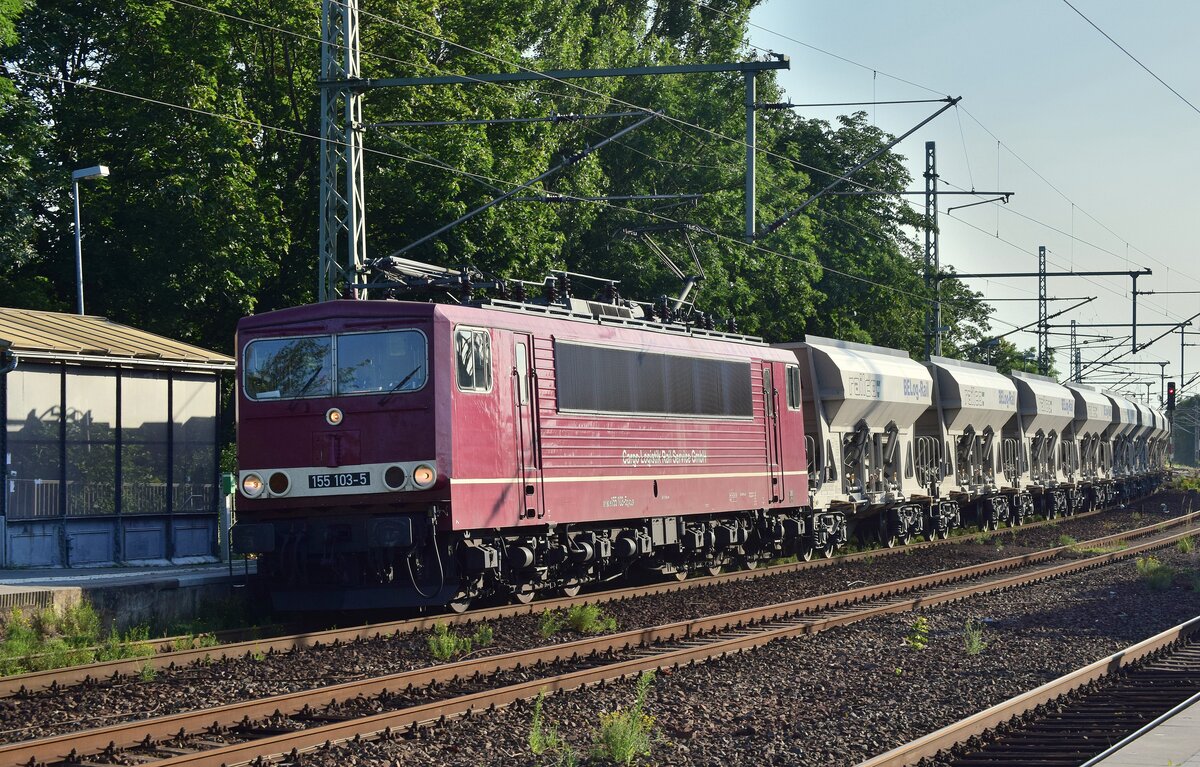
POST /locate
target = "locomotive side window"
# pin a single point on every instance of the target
(289, 368)
(793, 387)
(392, 361)
(610, 380)
(473, 359)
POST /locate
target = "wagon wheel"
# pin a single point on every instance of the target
(749, 563)
(827, 552)
(713, 569)
(804, 551)
(886, 539)
(681, 574)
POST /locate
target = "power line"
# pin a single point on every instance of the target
(478, 176)
(1131, 56)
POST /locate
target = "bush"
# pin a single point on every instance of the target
(445, 644)
(1157, 576)
(1186, 545)
(626, 734)
(551, 623)
(918, 635)
(483, 636)
(590, 619)
(583, 619)
(1066, 540)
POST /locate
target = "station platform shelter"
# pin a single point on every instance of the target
(110, 446)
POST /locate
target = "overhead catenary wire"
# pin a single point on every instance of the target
(669, 118)
(301, 134)
(1135, 59)
(675, 122)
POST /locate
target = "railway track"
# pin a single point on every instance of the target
(335, 713)
(167, 655)
(1076, 719)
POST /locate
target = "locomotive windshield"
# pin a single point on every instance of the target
(292, 368)
(289, 368)
(381, 362)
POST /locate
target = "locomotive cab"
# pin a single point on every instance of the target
(340, 477)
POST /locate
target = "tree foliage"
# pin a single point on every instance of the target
(205, 219)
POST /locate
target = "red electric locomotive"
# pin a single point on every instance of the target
(399, 453)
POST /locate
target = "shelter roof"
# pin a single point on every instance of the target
(55, 336)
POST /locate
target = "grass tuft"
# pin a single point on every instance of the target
(1157, 576)
(627, 733)
(973, 641)
(48, 639)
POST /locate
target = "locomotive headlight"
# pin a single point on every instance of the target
(279, 483)
(252, 485)
(333, 416)
(424, 475)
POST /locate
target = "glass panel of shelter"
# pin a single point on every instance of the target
(91, 442)
(194, 461)
(144, 430)
(34, 459)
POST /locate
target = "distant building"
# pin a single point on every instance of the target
(110, 445)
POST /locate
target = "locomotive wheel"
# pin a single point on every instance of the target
(681, 575)
(944, 533)
(713, 569)
(804, 552)
(572, 590)
(749, 563)
(460, 603)
(525, 595)
(827, 552)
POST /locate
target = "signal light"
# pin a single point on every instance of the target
(1170, 395)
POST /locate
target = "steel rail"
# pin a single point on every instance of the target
(758, 621)
(262, 751)
(40, 680)
(977, 724)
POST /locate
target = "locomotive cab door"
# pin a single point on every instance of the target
(525, 423)
(774, 445)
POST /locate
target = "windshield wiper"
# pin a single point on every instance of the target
(303, 389)
(399, 385)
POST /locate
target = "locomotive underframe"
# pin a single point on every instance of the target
(351, 560)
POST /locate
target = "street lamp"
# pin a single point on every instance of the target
(96, 171)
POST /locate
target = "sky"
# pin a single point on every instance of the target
(1101, 157)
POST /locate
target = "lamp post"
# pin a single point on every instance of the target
(96, 171)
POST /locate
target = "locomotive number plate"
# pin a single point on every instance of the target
(342, 479)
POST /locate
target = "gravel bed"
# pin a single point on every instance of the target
(840, 696)
(257, 675)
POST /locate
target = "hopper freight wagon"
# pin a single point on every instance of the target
(1089, 433)
(866, 468)
(971, 405)
(1040, 461)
